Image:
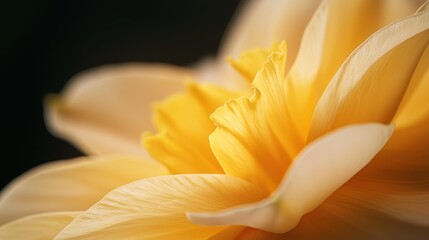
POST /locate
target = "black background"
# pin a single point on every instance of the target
(45, 43)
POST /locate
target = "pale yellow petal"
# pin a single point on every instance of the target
(184, 126)
(335, 31)
(104, 111)
(72, 185)
(371, 83)
(319, 170)
(155, 208)
(44, 226)
(255, 138)
(260, 23)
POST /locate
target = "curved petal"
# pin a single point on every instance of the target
(377, 66)
(104, 111)
(184, 126)
(337, 28)
(412, 118)
(155, 208)
(260, 23)
(327, 163)
(255, 138)
(72, 185)
(257, 25)
(37, 227)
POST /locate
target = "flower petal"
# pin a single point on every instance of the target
(341, 217)
(251, 61)
(250, 141)
(155, 208)
(260, 23)
(337, 28)
(412, 117)
(72, 185)
(104, 111)
(37, 227)
(327, 163)
(377, 66)
(184, 125)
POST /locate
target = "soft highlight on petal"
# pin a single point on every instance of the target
(72, 185)
(155, 208)
(353, 95)
(331, 36)
(327, 163)
(104, 111)
(37, 227)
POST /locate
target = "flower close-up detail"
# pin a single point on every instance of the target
(312, 122)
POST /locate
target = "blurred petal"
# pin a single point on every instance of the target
(184, 125)
(37, 227)
(104, 111)
(260, 23)
(327, 163)
(250, 141)
(412, 208)
(371, 83)
(334, 32)
(229, 233)
(343, 218)
(155, 208)
(72, 185)
(251, 61)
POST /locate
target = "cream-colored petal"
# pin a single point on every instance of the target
(155, 208)
(259, 24)
(72, 185)
(319, 170)
(371, 83)
(44, 226)
(104, 111)
(184, 126)
(337, 28)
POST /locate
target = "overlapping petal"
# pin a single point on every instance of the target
(369, 86)
(72, 185)
(104, 111)
(317, 172)
(155, 208)
(184, 126)
(260, 23)
(42, 226)
(250, 141)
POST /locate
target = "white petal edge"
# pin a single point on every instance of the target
(317, 172)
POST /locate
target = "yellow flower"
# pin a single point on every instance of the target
(331, 143)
